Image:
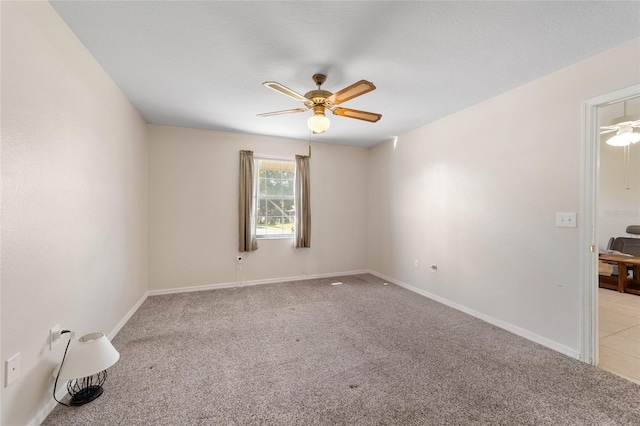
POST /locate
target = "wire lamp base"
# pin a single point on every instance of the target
(86, 389)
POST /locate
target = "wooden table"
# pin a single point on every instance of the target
(622, 283)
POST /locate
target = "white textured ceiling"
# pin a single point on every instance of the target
(202, 64)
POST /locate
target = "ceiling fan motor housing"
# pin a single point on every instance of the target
(319, 97)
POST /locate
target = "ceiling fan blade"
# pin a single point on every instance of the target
(285, 90)
(623, 124)
(356, 89)
(286, 111)
(360, 115)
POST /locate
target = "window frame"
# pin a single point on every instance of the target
(258, 197)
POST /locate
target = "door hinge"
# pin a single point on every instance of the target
(592, 248)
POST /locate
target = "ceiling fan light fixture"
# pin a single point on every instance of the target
(318, 123)
(624, 127)
(624, 136)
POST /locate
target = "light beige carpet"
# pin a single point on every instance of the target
(360, 353)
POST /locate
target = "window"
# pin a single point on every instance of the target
(275, 212)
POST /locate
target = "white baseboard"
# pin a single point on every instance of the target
(44, 412)
(498, 323)
(126, 318)
(251, 283)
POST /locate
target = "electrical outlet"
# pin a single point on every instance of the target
(54, 336)
(12, 369)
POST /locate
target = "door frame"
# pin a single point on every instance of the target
(589, 173)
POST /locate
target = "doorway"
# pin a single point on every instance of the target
(589, 211)
(618, 207)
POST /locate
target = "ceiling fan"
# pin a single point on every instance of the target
(625, 128)
(320, 99)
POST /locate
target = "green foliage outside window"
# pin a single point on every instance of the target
(275, 211)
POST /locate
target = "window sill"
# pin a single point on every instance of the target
(274, 237)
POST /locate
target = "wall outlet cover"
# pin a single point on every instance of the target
(54, 336)
(12, 369)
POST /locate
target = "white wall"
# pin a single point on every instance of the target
(74, 192)
(477, 193)
(193, 210)
(619, 186)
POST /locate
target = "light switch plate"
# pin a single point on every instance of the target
(566, 219)
(12, 369)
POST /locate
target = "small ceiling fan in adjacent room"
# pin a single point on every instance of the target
(627, 129)
(320, 99)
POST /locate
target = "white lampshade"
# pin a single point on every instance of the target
(89, 355)
(318, 123)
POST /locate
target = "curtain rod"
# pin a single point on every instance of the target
(273, 157)
(278, 157)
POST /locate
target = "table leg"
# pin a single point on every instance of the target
(622, 276)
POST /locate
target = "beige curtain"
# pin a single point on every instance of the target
(247, 234)
(303, 206)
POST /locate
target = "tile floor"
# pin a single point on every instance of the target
(619, 333)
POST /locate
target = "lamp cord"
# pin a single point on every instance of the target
(239, 273)
(55, 385)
